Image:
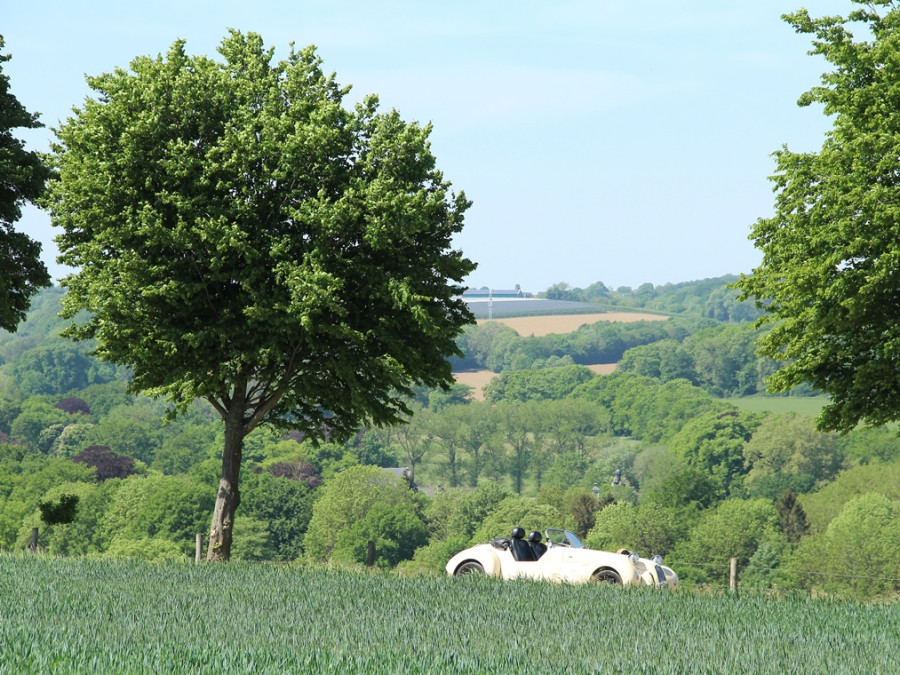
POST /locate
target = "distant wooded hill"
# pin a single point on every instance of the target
(707, 298)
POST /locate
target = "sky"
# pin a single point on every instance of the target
(599, 140)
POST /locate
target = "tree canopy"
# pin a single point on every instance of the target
(239, 235)
(22, 178)
(829, 274)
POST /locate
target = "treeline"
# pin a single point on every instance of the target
(719, 357)
(497, 347)
(699, 480)
(707, 298)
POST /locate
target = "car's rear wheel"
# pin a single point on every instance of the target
(470, 568)
(607, 577)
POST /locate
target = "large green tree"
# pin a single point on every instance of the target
(241, 236)
(22, 178)
(829, 274)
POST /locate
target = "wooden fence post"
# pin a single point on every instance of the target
(732, 580)
(34, 539)
(198, 551)
(370, 554)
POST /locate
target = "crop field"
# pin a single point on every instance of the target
(77, 615)
(568, 323)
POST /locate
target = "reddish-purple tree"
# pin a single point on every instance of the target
(301, 471)
(108, 464)
(73, 405)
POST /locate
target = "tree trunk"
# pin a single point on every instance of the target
(228, 497)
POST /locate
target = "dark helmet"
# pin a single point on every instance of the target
(535, 537)
(518, 533)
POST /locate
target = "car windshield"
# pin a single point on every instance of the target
(563, 538)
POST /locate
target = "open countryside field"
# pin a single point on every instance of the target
(80, 615)
(567, 323)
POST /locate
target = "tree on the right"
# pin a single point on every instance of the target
(829, 279)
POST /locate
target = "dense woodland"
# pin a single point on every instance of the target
(101, 472)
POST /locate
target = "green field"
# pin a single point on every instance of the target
(809, 406)
(75, 615)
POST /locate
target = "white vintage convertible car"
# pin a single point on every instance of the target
(563, 558)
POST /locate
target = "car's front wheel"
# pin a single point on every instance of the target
(470, 568)
(607, 577)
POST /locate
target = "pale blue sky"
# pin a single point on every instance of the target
(600, 141)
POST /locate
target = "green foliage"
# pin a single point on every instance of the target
(563, 468)
(516, 512)
(871, 444)
(72, 439)
(252, 540)
(173, 508)
(459, 513)
(156, 549)
(809, 406)
(396, 531)
(345, 500)
(878, 477)
(80, 537)
(785, 447)
(639, 407)
(725, 362)
(714, 443)
(29, 482)
(130, 430)
(59, 511)
(546, 384)
(791, 516)
(57, 368)
(35, 417)
(183, 447)
(734, 529)
(22, 176)
(857, 553)
(42, 324)
(762, 572)
(691, 487)
(663, 360)
(102, 398)
(432, 558)
(578, 507)
(284, 507)
(650, 529)
(829, 267)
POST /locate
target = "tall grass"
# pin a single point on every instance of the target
(66, 615)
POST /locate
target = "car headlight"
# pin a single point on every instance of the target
(634, 557)
(657, 559)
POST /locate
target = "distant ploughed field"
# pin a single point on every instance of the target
(567, 323)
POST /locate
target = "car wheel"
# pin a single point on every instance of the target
(470, 568)
(607, 577)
